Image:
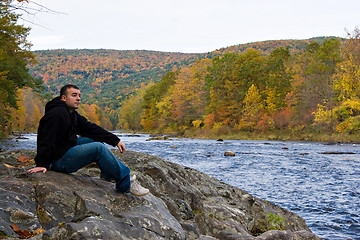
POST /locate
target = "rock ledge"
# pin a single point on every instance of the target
(183, 204)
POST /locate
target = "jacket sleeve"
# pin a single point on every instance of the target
(91, 130)
(50, 133)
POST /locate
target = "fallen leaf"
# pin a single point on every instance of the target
(8, 165)
(25, 234)
(23, 158)
(15, 227)
(38, 231)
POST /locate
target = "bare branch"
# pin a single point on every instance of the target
(29, 8)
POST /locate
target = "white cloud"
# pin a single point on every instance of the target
(187, 25)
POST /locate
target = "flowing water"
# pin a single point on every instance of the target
(322, 188)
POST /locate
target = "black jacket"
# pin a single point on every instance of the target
(58, 130)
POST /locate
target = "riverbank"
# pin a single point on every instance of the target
(226, 133)
(308, 135)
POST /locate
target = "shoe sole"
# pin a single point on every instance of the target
(137, 195)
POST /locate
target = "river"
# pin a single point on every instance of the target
(309, 179)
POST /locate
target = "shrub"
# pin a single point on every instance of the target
(273, 222)
(323, 117)
(350, 125)
(347, 109)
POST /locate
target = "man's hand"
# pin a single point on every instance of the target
(121, 147)
(37, 169)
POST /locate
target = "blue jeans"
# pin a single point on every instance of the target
(88, 151)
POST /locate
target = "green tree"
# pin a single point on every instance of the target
(15, 55)
(152, 96)
(278, 80)
(228, 81)
(130, 113)
(313, 77)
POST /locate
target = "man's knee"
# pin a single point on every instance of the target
(100, 147)
(84, 140)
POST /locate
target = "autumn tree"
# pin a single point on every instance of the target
(347, 79)
(189, 94)
(30, 109)
(252, 111)
(95, 114)
(345, 116)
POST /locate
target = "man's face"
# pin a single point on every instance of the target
(72, 98)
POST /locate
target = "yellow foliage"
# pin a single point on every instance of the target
(197, 123)
(252, 110)
(270, 101)
(347, 109)
(323, 116)
(350, 125)
(347, 80)
(29, 112)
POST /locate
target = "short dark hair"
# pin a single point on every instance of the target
(64, 89)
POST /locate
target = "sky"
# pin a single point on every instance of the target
(188, 26)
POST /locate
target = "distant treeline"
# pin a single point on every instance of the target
(105, 77)
(317, 88)
(108, 77)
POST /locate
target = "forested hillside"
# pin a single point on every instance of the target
(255, 87)
(105, 77)
(108, 77)
(309, 91)
(266, 47)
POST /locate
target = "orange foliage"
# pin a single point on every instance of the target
(283, 118)
(209, 120)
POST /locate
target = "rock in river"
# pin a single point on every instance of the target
(229, 153)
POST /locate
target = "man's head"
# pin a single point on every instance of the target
(70, 95)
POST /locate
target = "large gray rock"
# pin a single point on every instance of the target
(183, 204)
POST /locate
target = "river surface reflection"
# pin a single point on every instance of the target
(322, 188)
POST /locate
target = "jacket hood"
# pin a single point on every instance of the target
(56, 102)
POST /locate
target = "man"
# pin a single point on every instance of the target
(60, 149)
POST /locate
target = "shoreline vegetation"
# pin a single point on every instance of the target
(279, 135)
(231, 134)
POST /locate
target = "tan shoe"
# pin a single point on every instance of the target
(136, 189)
